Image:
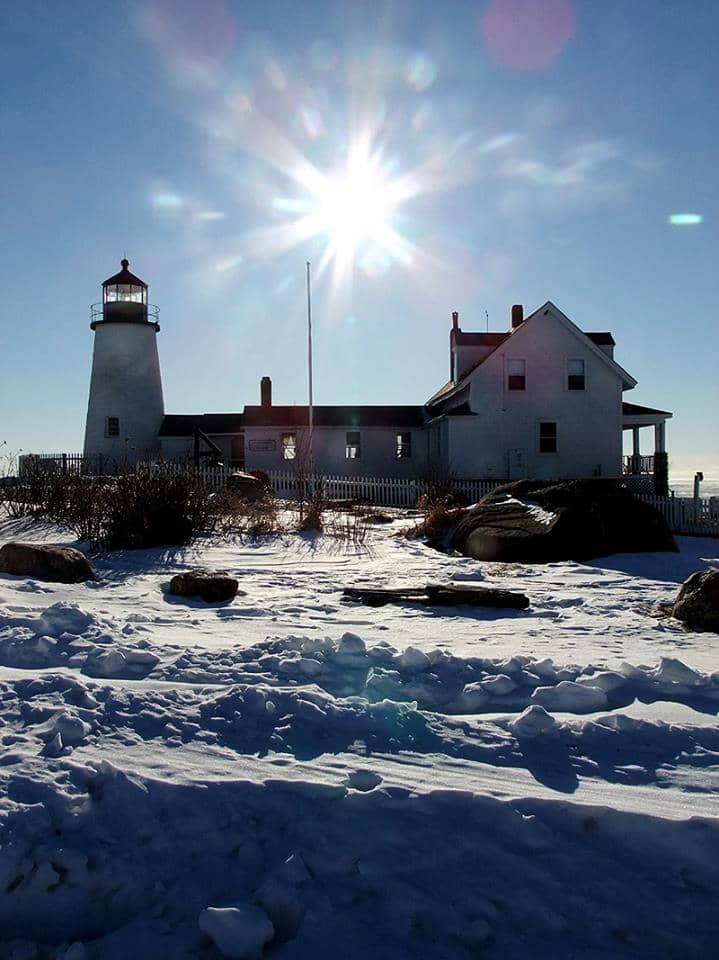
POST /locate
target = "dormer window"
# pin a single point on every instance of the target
(575, 375)
(516, 374)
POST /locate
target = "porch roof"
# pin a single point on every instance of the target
(634, 415)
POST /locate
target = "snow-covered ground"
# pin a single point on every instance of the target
(328, 779)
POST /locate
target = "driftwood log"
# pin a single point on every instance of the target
(440, 595)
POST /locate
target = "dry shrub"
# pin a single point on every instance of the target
(311, 512)
(155, 505)
(349, 524)
(440, 487)
(237, 516)
(433, 526)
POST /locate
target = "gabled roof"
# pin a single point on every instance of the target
(495, 340)
(628, 381)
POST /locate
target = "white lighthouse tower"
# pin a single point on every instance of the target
(125, 409)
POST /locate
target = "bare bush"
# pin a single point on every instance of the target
(440, 487)
(349, 524)
(157, 504)
(311, 511)
(236, 516)
(437, 519)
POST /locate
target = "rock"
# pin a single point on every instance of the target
(542, 522)
(44, 561)
(246, 485)
(239, 932)
(213, 586)
(697, 603)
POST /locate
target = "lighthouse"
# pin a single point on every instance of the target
(125, 408)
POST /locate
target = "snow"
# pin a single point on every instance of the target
(296, 776)
(240, 932)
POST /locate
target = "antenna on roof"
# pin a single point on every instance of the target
(486, 314)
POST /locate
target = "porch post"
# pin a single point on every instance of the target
(661, 461)
(636, 457)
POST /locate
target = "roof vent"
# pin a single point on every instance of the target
(517, 315)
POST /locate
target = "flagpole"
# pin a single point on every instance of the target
(309, 366)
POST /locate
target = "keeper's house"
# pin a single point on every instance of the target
(542, 399)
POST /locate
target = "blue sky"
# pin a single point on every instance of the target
(502, 152)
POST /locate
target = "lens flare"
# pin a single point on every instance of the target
(685, 219)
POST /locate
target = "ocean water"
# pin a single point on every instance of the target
(683, 486)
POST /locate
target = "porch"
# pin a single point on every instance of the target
(654, 466)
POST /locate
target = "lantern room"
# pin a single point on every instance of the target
(124, 300)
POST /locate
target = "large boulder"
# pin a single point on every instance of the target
(45, 561)
(213, 586)
(541, 522)
(697, 603)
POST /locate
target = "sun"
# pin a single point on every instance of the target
(353, 207)
(356, 206)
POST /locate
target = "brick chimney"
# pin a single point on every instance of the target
(517, 315)
(265, 393)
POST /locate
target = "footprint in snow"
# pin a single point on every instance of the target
(364, 780)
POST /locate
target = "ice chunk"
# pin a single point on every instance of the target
(498, 686)
(73, 730)
(543, 668)
(606, 680)
(105, 663)
(239, 932)
(351, 651)
(309, 666)
(532, 721)
(351, 643)
(671, 670)
(571, 696)
(472, 698)
(65, 618)
(413, 660)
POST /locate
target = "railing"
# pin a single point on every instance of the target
(638, 465)
(150, 310)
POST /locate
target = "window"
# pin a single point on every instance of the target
(548, 437)
(516, 374)
(289, 446)
(575, 374)
(353, 449)
(125, 293)
(112, 427)
(404, 446)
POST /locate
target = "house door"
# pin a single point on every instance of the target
(517, 463)
(237, 452)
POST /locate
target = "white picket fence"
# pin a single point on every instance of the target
(685, 515)
(381, 491)
(688, 516)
